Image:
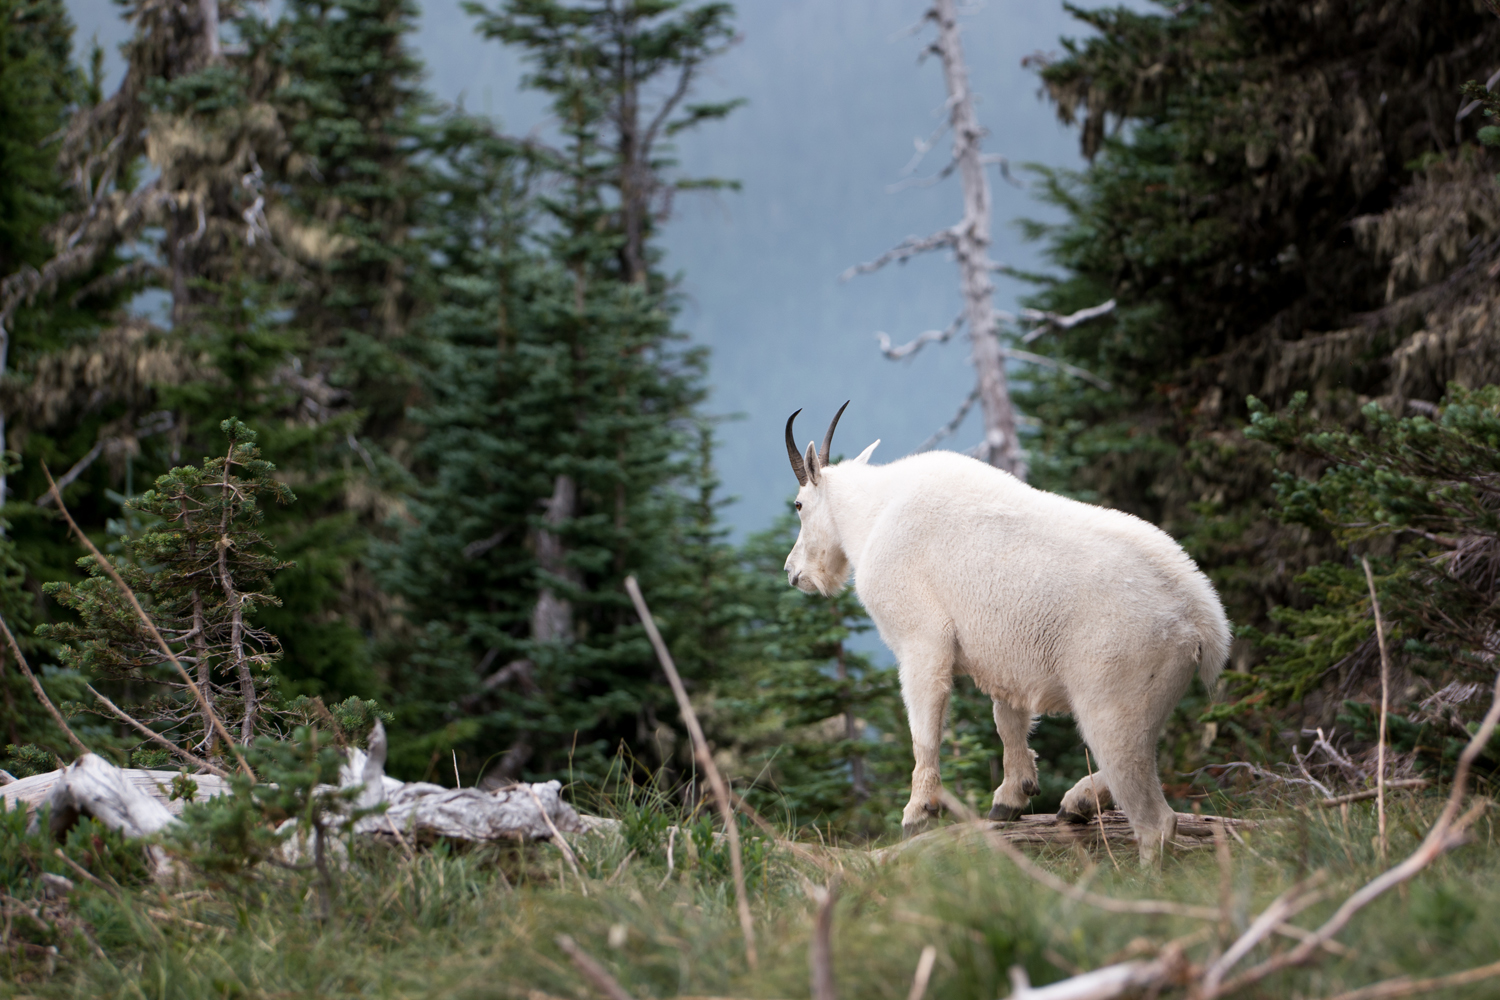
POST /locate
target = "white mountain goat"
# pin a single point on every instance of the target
(1049, 604)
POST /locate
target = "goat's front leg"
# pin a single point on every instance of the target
(1014, 793)
(926, 683)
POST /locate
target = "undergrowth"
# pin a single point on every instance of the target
(446, 923)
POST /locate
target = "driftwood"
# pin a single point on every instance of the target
(138, 803)
(92, 783)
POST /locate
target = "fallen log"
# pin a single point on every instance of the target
(1194, 831)
(140, 803)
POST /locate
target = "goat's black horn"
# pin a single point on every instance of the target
(798, 466)
(827, 438)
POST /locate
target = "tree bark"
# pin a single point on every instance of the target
(1001, 446)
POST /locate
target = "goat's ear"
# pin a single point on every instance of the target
(864, 456)
(814, 467)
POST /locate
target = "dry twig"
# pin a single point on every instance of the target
(1405, 986)
(1385, 703)
(1446, 834)
(114, 575)
(820, 955)
(557, 838)
(154, 736)
(706, 760)
(595, 973)
(1370, 793)
(36, 686)
(924, 973)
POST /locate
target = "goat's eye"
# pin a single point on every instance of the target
(798, 505)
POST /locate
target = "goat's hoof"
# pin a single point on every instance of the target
(1030, 787)
(1004, 814)
(1069, 816)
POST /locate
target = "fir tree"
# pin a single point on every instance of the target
(205, 568)
(560, 416)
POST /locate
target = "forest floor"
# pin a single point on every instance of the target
(486, 923)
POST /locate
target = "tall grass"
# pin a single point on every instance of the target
(483, 923)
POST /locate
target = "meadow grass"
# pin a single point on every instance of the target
(483, 923)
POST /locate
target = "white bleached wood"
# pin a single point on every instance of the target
(34, 791)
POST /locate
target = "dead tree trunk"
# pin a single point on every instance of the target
(971, 244)
(969, 241)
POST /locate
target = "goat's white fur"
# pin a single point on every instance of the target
(1049, 604)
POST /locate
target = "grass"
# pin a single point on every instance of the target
(483, 923)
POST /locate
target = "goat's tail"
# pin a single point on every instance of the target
(1214, 637)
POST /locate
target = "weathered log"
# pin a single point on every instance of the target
(1194, 831)
(34, 791)
(139, 802)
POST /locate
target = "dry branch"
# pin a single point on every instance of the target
(36, 686)
(1370, 793)
(820, 954)
(595, 973)
(923, 974)
(154, 736)
(1405, 986)
(1385, 703)
(706, 760)
(1057, 321)
(114, 575)
(1446, 834)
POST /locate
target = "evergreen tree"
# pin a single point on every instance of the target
(559, 410)
(1254, 167)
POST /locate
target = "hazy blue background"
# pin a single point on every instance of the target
(836, 97)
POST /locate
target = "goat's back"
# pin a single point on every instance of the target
(1033, 582)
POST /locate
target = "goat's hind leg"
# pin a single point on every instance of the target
(1014, 793)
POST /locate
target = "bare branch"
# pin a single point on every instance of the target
(952, 425)
(1053, 363)
(820, 954)
(1370, 793)
(77, 470)
(36, 686)
(706, 761)
(1385, 701)
(154, 736)
(1056, 321)
(595, 973)
(906, 249)
(922, 339)
(1405, 986)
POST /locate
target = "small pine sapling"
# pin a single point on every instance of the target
(202, 569)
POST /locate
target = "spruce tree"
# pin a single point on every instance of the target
(1276, 201)
(560, 410)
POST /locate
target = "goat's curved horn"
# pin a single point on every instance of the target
(798, 466)
(827, 438)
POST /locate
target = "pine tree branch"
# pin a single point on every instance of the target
(119, 581)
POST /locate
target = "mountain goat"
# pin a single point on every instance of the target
(1049, 604)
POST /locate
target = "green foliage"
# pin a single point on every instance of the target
(561, 447)
(205, 568)
(27, 760)
(297, 801)
(1416, 491)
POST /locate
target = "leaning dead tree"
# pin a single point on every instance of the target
(969, 241)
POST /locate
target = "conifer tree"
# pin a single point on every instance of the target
(560, 414)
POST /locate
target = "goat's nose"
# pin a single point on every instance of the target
(793, 577)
